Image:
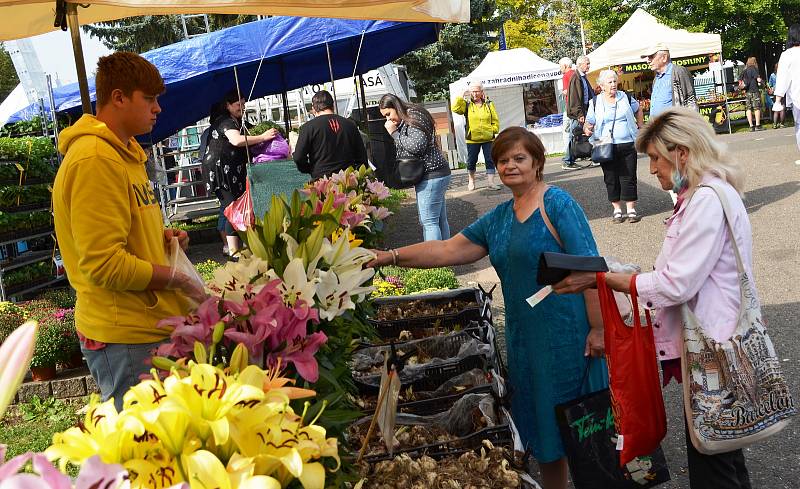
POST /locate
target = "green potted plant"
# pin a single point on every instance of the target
(46, 352)
(69, 346)
(11, 317)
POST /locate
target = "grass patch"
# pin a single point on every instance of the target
(205, 222)
(395, 199)
(206, 269)
(32, 426)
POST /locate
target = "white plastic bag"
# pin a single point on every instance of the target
(179, 262)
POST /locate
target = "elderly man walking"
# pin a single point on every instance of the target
(482, 125)
(567, 70)
(579, 94)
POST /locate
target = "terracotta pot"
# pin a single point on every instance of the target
(43, 373)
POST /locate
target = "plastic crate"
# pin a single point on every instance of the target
(425, 326)
(427, 378)
(443, 346)
(440, 404)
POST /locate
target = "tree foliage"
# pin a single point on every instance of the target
(8, 75)
(140, 34)
(460, 48)
(551, 29)
(747, 27)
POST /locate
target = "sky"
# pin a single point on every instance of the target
(54, 50)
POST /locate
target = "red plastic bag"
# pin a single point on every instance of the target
(240, 212)
(639, 416)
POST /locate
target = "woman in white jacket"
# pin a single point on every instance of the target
(787, 88)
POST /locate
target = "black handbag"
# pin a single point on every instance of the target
(410, 171)
(603, 152)
(555, 267)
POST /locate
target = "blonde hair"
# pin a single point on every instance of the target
(751, 61)
(680, 126)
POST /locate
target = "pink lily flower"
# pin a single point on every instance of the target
(378, 189)
(15, 356)
(300, 352)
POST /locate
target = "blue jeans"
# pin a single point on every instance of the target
(432, 208)
(472, 156)
(117, 367)
(570, 126)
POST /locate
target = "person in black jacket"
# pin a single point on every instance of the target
(414, 134)
(579, 93)
(328, 143)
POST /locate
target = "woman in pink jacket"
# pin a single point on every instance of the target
(697, 263)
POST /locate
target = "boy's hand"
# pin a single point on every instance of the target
(183, 237)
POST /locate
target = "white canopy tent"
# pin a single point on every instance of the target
(641, 31)
(503, 75)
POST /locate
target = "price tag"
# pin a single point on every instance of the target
(539, 296)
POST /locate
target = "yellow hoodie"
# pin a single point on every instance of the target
(110, 232)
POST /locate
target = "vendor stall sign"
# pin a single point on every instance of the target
(521, 78)
(688, 62)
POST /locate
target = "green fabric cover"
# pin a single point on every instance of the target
(272, 178)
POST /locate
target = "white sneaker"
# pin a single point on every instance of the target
(225, 249)
(471, 185)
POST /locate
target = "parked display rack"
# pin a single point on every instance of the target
(27, 242)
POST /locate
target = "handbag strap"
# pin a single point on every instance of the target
(546, 218)
(726, 211)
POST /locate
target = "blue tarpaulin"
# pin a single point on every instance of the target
(199, 71)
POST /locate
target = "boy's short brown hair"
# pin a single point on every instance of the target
(127, 72)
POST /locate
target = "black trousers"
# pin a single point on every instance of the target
(721, 471)
(619, 175)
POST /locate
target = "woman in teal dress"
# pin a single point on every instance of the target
(550, 346)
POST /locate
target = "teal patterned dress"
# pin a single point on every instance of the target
(545, 344)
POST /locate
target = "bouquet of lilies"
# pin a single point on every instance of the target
(202, 426)
(205, 426)
(358, 194)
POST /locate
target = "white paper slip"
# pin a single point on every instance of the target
(539, 296)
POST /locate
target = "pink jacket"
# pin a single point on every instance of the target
(697, 265)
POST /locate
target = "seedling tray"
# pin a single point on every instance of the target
(431, 325)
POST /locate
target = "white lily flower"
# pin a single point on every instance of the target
(232, 279)
(295, 283)
(291, 251)
(342, 258)
(335, 293)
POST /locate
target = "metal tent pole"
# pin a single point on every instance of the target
(333, 83)
(53, 115)
(77, 51)
(725, 92)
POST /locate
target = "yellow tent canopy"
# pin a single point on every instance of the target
(25, 18)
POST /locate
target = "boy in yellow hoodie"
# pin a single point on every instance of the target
(110, 231)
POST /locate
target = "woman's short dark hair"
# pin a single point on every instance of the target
(793, 39)
(412, 114)
(322, 100)
(530, 141)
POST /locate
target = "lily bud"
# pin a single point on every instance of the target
(219, 328)
(239, 359)
(164, 363)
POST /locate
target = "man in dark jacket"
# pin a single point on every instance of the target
(579, 94)
(329, 142)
